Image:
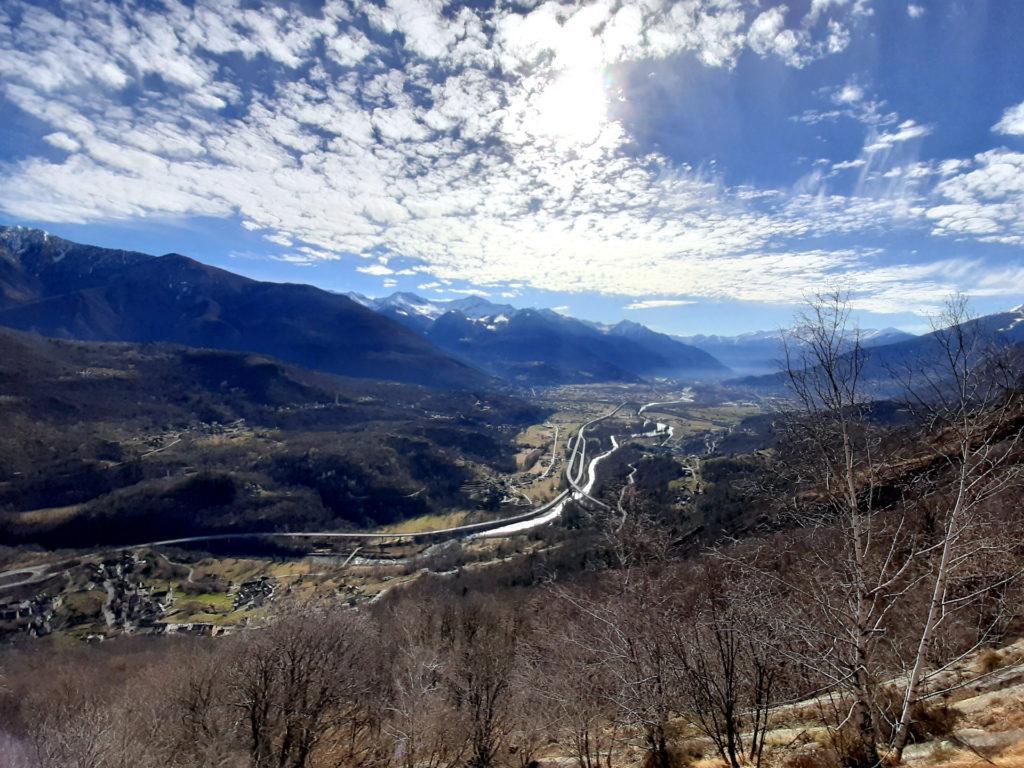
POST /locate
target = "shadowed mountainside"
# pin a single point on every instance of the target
(62, 289)
(540, 346)
(105, 443)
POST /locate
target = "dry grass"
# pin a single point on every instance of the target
(815, 758)
(1001, 716)
(1010, 757)
(536, 436)
(427, 523)
(991, 659)
(943, 753)
(709, 762)
(47, 516)
(789, 737)
(544, 490)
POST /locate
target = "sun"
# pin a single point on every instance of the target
(573, 108)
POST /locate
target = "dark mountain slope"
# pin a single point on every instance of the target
(34, 265)
(533, 346)
(541, 346)
(678, 356)
(61, 289)
(528, 347)
(104, 443)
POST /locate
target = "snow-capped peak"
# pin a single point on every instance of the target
(412, 304)
(359, 298)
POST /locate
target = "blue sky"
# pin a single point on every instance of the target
(697, 165)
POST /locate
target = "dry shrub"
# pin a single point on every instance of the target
(846, 747)
(943, 753)
(932, 720)
(990, 659)
(679, 756)
(812, 758)
(690, 750)
(929, 720)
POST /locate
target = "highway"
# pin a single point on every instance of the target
(576, 491)
(24, 575)
(687, 397)
(508, 526)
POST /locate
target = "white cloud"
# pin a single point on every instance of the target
(838, 37)
(658, 303)
(424, 153)
(61, 140)
(984, 200)
(818, 7)
(768, 35)
(843, 165)
(915, 11)
(905, 131)
(848, 94)
(377, 270)
(1012, 121)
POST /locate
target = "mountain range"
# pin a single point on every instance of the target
(541, 346)
(884, 364)
(62, 289)
(761, 352)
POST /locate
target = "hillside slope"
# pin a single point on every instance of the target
(885, 361)
(62, 289)
(107, 443)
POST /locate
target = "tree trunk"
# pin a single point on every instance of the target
(864, 752)
(934, 609)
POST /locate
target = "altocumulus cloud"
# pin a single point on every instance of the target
(474, 142)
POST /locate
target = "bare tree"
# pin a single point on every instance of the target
(305, 685)
(838, 600)
(621, 630)
(574, 683)
(854, 579)
(423, 725)
(480, 642)
(727, 666)
(968, 395)
(826, 380)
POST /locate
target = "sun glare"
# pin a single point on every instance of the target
(573, 107)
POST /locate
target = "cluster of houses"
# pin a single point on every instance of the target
(253, 594)
(33, 616)
(130, 602)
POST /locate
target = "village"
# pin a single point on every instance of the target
(130, 593)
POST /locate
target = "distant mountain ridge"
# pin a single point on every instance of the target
(63, 289)
(918, 352)
(540, 346)
(761, 352)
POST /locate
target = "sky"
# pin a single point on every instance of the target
(701, 166)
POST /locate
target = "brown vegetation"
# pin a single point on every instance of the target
(843, 635)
